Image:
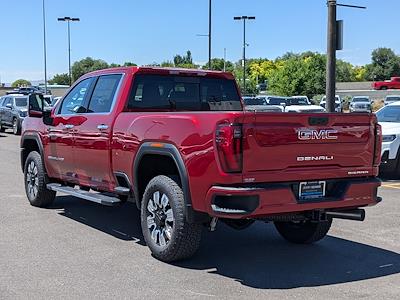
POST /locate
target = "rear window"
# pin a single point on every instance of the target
(254, 101)
(276, 101)
(183, 93)
(392, 98)
(21, 102)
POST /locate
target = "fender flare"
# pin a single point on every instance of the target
(170, 151)
(32, 137)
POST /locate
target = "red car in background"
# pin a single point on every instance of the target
(393, 83)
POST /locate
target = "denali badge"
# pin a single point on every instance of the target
(314, 158)
(310, 134)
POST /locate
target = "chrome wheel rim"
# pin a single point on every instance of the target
(15, 126)
(160, 219)
(32, 180)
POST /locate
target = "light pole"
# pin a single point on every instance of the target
(69, 20)
(44, 47)
(244, 18)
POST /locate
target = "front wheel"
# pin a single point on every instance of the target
(305, 232)
(165, 229)
(35, 182)
(16, 127)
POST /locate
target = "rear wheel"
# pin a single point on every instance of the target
(2, 129)
(35, 182)
(16, 127)
(305, 232)
(165, 229)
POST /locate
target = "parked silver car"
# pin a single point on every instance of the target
(360, 104)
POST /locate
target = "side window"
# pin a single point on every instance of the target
(7, 101)
(103, 94)
(75, 98)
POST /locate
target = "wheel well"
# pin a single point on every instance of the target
(152, 165)
(27, 147)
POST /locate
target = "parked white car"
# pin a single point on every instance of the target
(389, 119)
(338, 103)
(391, 99)
(360, 104)
(302, 104)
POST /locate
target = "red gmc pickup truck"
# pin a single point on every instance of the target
(179, 144)
(393, 83)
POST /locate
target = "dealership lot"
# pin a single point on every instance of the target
(80, 249)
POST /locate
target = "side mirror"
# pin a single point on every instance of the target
(9, 105)
(35, 106)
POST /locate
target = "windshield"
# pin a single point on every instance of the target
(254, 101)
(21, 102)
(360, 100)
(298, 101)
(392, 98)
(389, 114)
(276, 101)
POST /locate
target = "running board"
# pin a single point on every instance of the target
(94, 197)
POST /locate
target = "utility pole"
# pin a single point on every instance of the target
(224, 59)
(244, 18)
(331, 58)
(44, 47)
(335, 41)
(69, 20)
(209, 34)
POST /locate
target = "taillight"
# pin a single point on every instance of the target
(228, 138)
(378, 145)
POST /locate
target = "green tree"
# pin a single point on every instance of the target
(129, 64)
(20, 83)
(300, 76)
(87, 65)
(62, 79)
(217, 64)
(184, 61)
(385, 64)
(344, 71)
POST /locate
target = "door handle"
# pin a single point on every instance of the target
(102, 127)
(69, 126)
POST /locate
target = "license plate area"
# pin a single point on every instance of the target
(312, 190)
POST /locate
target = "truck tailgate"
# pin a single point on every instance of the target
(311, 146)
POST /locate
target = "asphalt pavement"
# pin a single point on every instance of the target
(81, 250)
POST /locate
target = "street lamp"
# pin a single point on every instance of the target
(244, 18)
(69, 20)
(209, 33)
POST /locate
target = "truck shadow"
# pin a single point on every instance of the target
(259, 258)
(256, 257)
(122, 222)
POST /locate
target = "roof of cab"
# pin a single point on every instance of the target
(163, 71)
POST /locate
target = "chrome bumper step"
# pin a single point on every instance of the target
(89, 196)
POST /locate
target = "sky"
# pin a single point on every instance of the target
(145, 31)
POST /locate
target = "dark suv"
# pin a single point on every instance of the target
(13, 110)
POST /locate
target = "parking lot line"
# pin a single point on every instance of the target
(392, 185)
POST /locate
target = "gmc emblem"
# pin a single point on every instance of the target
(310, 134)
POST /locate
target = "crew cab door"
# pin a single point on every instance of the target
(93, 136)
(59, 150)
(7, 108)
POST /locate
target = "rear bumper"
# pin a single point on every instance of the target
(263, 200)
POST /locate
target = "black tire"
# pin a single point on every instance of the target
(2, 129)
(384, 88)
(181, 239)
(35, 182)
(306, 232)
(16, 127)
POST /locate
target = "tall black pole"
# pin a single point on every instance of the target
(331, 57)
(209, 34)
(44, 47)
(69, 54)
(244, 55)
